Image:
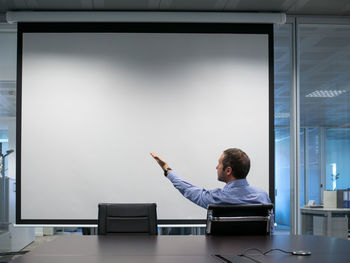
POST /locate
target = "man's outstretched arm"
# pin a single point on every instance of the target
(195, 194)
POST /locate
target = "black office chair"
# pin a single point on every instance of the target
(240, 219)
(127, 219)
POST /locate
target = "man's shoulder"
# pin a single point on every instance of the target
(258, 189)
(215, 191)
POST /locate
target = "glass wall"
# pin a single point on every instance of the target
(337, 158)
(7, 118)
(310, 165)
(3, 149)
(323, 70)
(302, 167)
(283, 79)
(282, 177)
(324, 58)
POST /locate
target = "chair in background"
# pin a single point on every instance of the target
(241, 219)
(129, 219)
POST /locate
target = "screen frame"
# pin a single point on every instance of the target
(137, 27)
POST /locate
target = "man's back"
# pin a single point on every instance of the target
(235, 192)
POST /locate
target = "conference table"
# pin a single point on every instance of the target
(185, 249)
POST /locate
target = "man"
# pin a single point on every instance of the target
(233, 167)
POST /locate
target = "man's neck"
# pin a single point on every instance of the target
(230, 179)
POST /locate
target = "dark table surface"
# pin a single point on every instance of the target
(180, 249)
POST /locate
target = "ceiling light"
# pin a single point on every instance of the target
(325, 93)
(282, 115)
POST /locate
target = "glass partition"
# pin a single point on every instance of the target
(337, 158)
(325, 106)
(283, 81)
(324, 84)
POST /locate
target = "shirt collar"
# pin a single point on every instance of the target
(237, 183)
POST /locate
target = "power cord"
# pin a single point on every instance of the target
(12, 253)
(277, 249)
(294, 253)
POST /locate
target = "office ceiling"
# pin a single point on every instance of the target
(324, 53)
(300, 7)
(323, 75)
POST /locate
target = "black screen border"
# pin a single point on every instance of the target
(137, 27)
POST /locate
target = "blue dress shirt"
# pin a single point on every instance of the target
(235, 192)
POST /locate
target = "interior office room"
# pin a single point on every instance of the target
(297, 124)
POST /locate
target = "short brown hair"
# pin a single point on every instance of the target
(238, 161)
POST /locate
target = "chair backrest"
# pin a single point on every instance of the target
(127, 219)
(240, 219)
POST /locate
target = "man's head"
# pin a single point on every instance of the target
(233, 164)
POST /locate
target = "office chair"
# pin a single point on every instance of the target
(127, 219)
(239, 219)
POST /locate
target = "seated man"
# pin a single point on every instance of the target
(233, 168)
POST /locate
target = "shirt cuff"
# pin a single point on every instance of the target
(172, 175)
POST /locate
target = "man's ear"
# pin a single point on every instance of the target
(228, 170)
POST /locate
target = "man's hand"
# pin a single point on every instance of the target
(160, 161)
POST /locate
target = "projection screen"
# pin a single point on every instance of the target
(94, 99)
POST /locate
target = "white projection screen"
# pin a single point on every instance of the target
(95, 99)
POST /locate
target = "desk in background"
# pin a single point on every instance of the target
(183, 249)
(331, 222)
